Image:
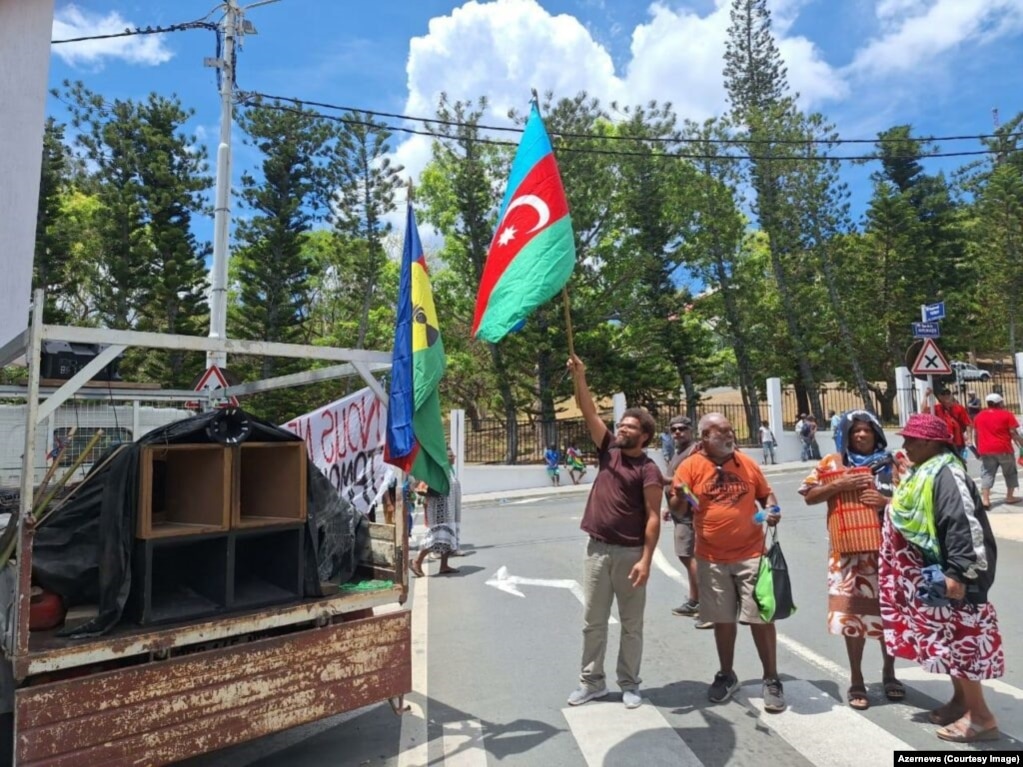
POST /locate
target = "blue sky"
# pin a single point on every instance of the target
(939, 65)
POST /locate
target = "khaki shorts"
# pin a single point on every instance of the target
(726, 591)
(685, 539)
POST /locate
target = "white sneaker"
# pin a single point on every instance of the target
(583, 694)
(631, 699)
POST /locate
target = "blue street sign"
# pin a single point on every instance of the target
(926, 330)
(934, 312)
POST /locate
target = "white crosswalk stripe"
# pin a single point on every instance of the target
(463, 744)
(609, 735)
(826, 732)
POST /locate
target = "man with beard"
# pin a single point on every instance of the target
(727, 486)
(622, 519)
(681, 513)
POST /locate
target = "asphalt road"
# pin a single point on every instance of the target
(499, 667)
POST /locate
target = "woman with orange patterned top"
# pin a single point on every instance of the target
(854, 611)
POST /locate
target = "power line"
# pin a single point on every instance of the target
(128, 32)
(609, 152)
(655, 139)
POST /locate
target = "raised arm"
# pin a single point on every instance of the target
(583, 398)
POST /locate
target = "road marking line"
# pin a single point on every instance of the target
(609, 734)
(413, 742)
(661, 563)
(502, 580)
(826, 732)
(463, 744)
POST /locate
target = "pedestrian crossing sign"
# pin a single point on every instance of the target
(930, 361)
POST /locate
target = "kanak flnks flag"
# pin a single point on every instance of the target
(533, 251)
(415, 430)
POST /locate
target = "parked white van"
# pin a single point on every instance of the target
(120, 423)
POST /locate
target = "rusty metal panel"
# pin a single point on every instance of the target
(165, 711)
(69, 653)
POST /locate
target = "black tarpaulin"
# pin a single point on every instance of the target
(83, 549)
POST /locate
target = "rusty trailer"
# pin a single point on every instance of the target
(144, 695)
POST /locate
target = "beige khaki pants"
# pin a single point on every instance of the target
(607, 579)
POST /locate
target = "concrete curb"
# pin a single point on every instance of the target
(1006, 521)
(545, 491)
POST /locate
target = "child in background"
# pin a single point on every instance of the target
(575, 463)
(552, 459)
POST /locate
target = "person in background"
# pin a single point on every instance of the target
(727, 487)
(681, 514)
(552, 460)
(836, 432)
(953, 414)
(623, 521)
(854, 611)
(973, 404)
(803, 430)
(997, 430)
(442, 515)
(576, 464)
(767, 442)
(667, 446)
(814, 448)
(937, 565)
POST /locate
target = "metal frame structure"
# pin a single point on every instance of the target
(29, 343)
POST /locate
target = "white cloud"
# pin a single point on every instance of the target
(502, 49)
(917, 32)
(70, 22)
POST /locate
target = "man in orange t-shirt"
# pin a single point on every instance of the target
(727, 487)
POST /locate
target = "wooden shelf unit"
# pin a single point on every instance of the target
(270, 484)
(184, 490)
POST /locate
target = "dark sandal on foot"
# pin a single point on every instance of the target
(894, 690)
(447, 571)
(943, 716)
(856, 695)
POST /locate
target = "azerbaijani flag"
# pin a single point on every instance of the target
(415, 430)
(533, 251)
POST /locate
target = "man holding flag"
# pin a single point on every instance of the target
(415, 430)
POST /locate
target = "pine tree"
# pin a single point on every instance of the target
(365, 183)
(271, 269)
(757, 86)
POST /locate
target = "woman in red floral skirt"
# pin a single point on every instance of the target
(937, 564)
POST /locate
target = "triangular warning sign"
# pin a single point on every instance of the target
(930, 361)
(212, 380)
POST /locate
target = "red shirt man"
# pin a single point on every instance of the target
(997, 430)
(955, 417)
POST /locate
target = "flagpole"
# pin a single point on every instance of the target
(568, 320)
(566, 304)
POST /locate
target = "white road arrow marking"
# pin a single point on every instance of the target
(504, 581)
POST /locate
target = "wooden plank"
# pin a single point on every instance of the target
(52, 653)
(379, 531)
(381, 553)
(168, 710)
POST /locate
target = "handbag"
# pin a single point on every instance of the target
(773, 589)
(853, 527)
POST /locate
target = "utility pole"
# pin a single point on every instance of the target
(222, 211)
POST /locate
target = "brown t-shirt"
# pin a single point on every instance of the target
(616, 509)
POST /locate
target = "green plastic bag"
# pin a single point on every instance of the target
(773, 590)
